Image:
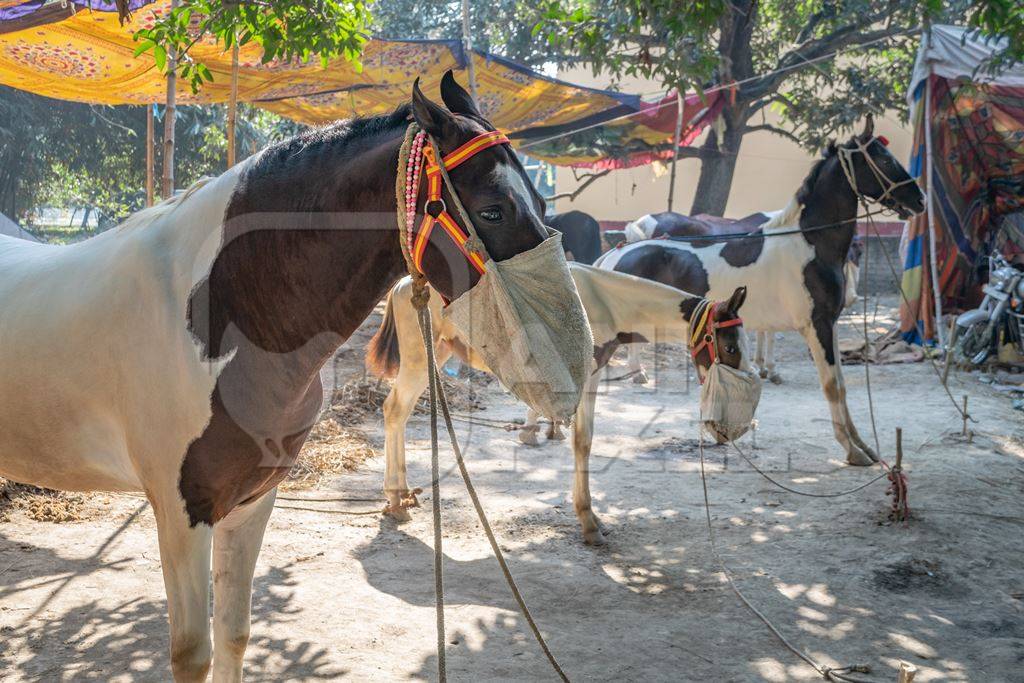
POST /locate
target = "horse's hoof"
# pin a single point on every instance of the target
(763, 373)
(860, 457)
(528, 436)
(640, 377)
(556, 434)
(399, 513)
(774, 378)
(595, 538)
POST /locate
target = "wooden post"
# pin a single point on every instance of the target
(167, 189)
(150, 126)
(899, 449)
(233, 104)
(467, 48)
(676, 137)
(907, 673)
(963, 432)
(950, 343)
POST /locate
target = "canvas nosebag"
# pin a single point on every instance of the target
(728, 401)
(525, 318)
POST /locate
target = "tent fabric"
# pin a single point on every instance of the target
(79, 52)
(954, 53)
(978, 169)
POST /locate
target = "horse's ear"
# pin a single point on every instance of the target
(433, 118)
(869, 128)
(736, 300)
(456, 98)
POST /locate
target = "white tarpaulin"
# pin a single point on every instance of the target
(955, 52)
(12, 229)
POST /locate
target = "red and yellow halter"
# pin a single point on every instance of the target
(436, 212)
(705, 328)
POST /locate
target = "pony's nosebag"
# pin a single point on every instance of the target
(728, 401)
(525, 318)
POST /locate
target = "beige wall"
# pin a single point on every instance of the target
(769, 170)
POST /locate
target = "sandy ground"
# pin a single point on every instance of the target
(343, 596)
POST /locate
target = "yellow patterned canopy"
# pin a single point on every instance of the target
(72, 52)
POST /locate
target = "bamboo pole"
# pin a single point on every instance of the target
(167, 186)
(932, 257)
(233, 105)
(467, 48)
(676, 137)
(150, 132)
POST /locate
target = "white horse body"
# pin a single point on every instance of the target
(616, 303)
(773, 304)
(111, 415)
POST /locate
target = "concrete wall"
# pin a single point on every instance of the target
(768, 172)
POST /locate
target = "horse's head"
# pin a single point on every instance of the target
(877, 175)
(504, 206)
(721, 335)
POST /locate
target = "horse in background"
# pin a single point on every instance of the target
(794, 267)
(581, 235)
(622, 309)
(668, 224)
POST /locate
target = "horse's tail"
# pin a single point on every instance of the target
(382, 353)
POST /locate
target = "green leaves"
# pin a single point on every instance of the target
(287, 30)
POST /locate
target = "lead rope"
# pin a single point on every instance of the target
(828, 673)
(420, 300)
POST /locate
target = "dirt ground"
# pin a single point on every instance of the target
(351, 596)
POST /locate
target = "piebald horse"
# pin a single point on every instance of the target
(622, 309)
(794, 270)
(179, 353)
(672, 224)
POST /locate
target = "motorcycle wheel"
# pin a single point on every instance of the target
(974, 344)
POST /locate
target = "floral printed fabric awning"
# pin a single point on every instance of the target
(78, 51)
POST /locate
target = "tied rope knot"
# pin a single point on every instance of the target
(420, 291)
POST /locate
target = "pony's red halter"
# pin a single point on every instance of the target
(435, 210)
(706, 330)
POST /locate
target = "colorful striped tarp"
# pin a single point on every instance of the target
(978, 170)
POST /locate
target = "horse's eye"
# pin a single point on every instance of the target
(491, 214)
(730, 349)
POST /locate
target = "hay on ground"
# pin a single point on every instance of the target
(39, 504)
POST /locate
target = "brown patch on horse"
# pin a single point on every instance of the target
(604, 352)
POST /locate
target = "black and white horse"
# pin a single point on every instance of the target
(794, 268)
(581, 235)
(672, 224)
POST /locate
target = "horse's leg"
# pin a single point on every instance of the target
(635, 366)
(528, 432)
(236, 545)
(769, 352)
(583, 437)
(185, 560)
(759, 354)
(398, 406)
(555, 431)
(825, 351)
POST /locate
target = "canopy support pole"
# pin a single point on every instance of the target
(233, 105)
(172, 83)
(467, 48)
(150, 132)
(676, 137)
(932, 205)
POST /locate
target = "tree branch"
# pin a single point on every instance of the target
(767, 127)
(587, 180)
(802, 56)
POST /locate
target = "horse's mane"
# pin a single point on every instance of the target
(150, 214)
(804, 193)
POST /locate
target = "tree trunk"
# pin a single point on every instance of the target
(717, 168)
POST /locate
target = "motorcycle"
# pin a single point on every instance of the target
(1002, 310)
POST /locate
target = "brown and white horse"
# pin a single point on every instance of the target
(794, 269)
(179, 354)
(622, 309)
